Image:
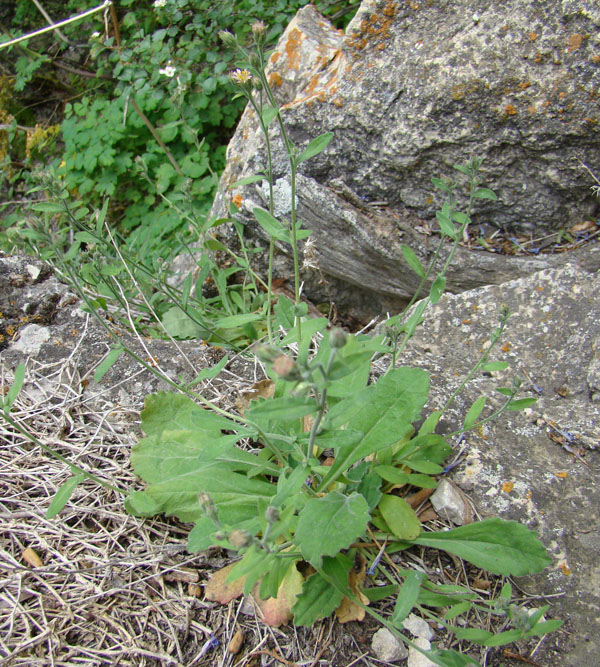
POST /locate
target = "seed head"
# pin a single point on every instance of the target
(227, 38)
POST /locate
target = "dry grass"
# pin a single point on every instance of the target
(112, 589)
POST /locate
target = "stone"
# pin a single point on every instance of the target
(516, 466)
(387, 647)
(410, 90)
(448, 502)
(418, 627)
(416, 658)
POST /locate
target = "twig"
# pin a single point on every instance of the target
(55, 26)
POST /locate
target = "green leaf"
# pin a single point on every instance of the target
(413, 261)
(383, 412)
(392, 474)
(446, 225)
(15, 388)
(271, 225)
(521, 403)
(331, 523)
(63, 494)
(319, 598)
(201, 535)
(169, 411)
(268, 115)
(400, 517)
(473, 413)
(209, 373)
(408, 595)
(140, 503)
(484, 193)
(477, 635)
(286, 408)
(48, 207)
(234, 321)
(248, 181)
(441, 185)
(495, 366)
(437, 289)
(108, 362)
(451, 658)
(501, 547)
(503, 638)
(315, 147)
(180, 325)
(284, 312)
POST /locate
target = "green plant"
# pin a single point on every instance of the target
(318, 474)
(317, 477)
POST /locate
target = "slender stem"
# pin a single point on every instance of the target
(56, 26)
(60, 457)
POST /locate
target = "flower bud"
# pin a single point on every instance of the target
(266, 353)
(337, 338)
(239, 539)
(227, 38)
(272, 514)
(286, 368)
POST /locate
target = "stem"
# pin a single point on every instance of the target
(60, 457)
(55, 26)
(493, 340)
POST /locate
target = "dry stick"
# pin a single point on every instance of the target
(45, 14)
(55, 26)
(134, 104)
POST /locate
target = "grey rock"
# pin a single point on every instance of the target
(409, 91)
(516, 466)
(448, 502)
(416, 658)
(418, 627)
(387, 647)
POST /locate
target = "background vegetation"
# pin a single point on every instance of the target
(139, 109)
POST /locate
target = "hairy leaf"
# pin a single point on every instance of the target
(331, 523)
(501, 547)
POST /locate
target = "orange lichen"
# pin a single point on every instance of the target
(338, 102)
(510, 110)
(565, 569)
(574, 42)
(524, 85)
(237, 201)
(390, 9)
(275, 79)
(292, 48)
(562, 475)
(459, 91)
(380, 47)
(506, 347)
(275, 57)
(532, 36)
(507, 487)
(596, 58)
(531, 108)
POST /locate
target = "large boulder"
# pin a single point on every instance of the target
(541, 466)
(410, 90)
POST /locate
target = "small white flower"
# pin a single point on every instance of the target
(160, 3)
(240, 76)
(95, 35)
(169, 71)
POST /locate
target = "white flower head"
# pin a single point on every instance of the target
(169, 71)
(95, 35)
(160, 3)
(240, 76)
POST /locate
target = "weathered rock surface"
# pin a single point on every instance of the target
(41, 322)
(408, 91)
(516, 466)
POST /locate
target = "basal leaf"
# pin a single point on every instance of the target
(319, 597)
(233, 321)
(201, 535)
(140, 503)
(331, 523)
(13, 392)
(501, 547)
(106, 364)
(383, 412)
(400, 517)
